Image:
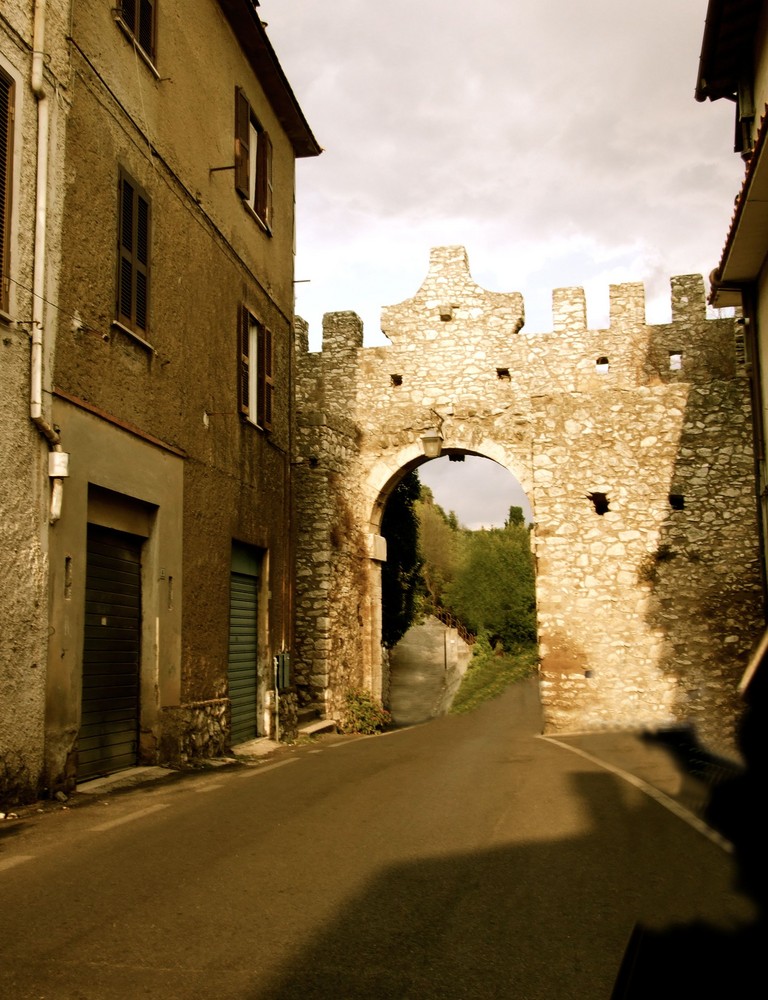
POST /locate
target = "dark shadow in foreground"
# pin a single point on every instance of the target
(697, 959)
(530, 920)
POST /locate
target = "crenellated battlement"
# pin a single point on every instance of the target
(451, 307)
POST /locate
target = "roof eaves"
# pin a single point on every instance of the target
(252, 37)
(726, 47)
(757, 164)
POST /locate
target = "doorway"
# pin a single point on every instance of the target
(109, 725)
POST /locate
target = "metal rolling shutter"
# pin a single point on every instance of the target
(108, 737)
(243, 656)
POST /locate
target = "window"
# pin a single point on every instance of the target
(253, 161)
(6, 156)
(256, 385)
(139, 17)
(133, 256)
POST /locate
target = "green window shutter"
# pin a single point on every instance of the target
(242, 143)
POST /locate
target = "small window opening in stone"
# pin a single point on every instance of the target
(456, 458)
(675, 361)
(503, 373)
(601, 365)
(314, 461)
(396, 379)
(599, 502)
(677, 501)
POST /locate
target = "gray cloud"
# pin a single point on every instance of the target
(559, 142)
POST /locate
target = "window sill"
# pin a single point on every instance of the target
(252, 423)
(6, 318)
(145, 58)
(115, 325)
(267, 230)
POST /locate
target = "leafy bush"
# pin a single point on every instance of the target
(362, 713)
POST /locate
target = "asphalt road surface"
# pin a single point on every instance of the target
(465, 858)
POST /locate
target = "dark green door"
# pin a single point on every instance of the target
(243, 651)
(108, 737)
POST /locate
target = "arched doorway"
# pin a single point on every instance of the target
(458, 585)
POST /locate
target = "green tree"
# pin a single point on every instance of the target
(515, 516)
(401, 573)
(438, 546)
(494, 586)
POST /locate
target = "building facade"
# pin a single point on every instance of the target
(169, 384)
(733, 66)
(33, 108)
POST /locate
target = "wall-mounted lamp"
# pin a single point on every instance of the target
(432, 442)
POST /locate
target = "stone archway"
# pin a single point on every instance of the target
(647, 609)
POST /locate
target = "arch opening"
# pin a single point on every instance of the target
(459, 567)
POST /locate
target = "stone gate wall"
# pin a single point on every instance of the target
(634, 446)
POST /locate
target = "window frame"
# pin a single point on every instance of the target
(130, 265)
(134, 16)
(253, 168)
(7, 129)
(256, 386)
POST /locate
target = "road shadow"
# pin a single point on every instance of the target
(542, 918)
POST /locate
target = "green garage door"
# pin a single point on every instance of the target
(108, 737)
(243, 656)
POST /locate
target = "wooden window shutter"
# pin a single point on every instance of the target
(243, 358)
(133, 256)
(265, 382)
(126, 246)
(128, 13)
(242, 143)
(141, 262)
(269, 385)
(264, 179)
(146, 28)
(6, 158)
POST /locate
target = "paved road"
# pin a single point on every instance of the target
(466, 858)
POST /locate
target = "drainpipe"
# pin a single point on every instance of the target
(58, 459)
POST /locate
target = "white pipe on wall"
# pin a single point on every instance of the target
(38, 278)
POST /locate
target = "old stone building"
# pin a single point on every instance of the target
(633, 444)
(168, 355)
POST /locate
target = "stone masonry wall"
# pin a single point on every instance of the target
(634, 446)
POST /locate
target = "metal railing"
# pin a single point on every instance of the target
(449, 619)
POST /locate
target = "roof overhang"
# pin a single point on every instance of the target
(747, 241)
(727, 47)
(249, 30)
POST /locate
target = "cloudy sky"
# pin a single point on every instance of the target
(558, 141)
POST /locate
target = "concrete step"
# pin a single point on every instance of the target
(318, 726)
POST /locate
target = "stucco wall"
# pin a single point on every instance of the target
(24, 488)
(171, 396)
(646, 613)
